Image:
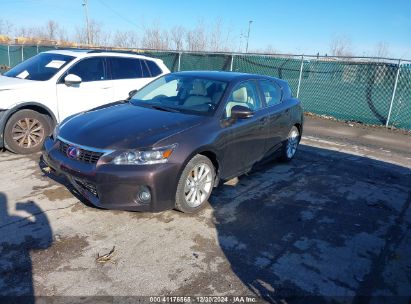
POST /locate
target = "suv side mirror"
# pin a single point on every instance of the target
(72, 79)
(241, 112)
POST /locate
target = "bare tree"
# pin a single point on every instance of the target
(177, 34)
(341, 46)
(381, 49)
(156, 39)
(51, 30)
(197, 39)
(104, 38)
(219, 38)
(215, 37)
(126, 39)
(81, 36)
(269, 49)
(6, 27)
(62, 35)
(22, 32)
(98, 36)
(229, 41)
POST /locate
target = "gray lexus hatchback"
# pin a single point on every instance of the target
(172, 141)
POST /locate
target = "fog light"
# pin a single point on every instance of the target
(144, 195)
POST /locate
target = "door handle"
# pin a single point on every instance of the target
(105, 88)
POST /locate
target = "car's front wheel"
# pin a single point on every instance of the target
(195, 184)
(290, 145)
(26, 131)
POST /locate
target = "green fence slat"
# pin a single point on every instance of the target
(170, 59)
(4, 58)
(348, 90)
(352, 89)
(15, 54)
(283, 68)
(401, 110)
(29, 51)
(45, 48)
(210, 62)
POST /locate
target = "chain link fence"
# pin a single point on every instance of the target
(368, 90)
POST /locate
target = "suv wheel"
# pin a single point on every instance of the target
(26, 131)
(195, 184)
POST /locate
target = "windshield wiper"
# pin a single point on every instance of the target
(167, 109)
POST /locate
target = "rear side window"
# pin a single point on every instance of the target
(153, 67)
(90, 69)
(271, 92)
(125, 68)
(146, 71)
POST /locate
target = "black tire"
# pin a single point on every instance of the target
(293, 138)
(24, 123)
(181, 202)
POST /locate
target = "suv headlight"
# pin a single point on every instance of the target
(144, 157)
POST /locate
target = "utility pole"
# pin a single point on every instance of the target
(248, 35)
(87, 24)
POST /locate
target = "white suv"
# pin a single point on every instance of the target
(45, 89)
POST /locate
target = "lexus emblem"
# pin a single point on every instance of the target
(73, 152)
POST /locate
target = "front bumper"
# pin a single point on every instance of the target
(112, 186)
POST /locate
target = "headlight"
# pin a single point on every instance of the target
(144, 157)
(56, 132)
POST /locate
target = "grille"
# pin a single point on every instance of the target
(87, 186)
(86, 156)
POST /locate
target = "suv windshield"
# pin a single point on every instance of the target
(40, 67)
(177, 93)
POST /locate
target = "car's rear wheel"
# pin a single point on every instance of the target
(195, 184)
(26, 131)
(290, 146)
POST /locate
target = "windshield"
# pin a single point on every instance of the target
(177, 93)
(40, 67)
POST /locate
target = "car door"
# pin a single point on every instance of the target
(94, 90)
(245, 140)
(277, 112)
(128, 74)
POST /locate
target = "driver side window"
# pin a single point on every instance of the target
(244, 94)
(90, 69)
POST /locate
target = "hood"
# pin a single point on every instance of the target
(12, 83)
(125, 126)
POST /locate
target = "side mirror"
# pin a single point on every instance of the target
(72, 79)
(241, 112)
(131, 93)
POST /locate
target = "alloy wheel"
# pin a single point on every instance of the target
(28, 132)
(198, 185)
(292, 142)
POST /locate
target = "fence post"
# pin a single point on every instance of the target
(8, 54)
(393, 92)
(37, 48)
(179, 62)
(232, 62)
(301, 74)
(22, 53)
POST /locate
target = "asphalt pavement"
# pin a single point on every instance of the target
(333, 224)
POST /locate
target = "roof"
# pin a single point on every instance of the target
(222, 75)
(92, 53)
